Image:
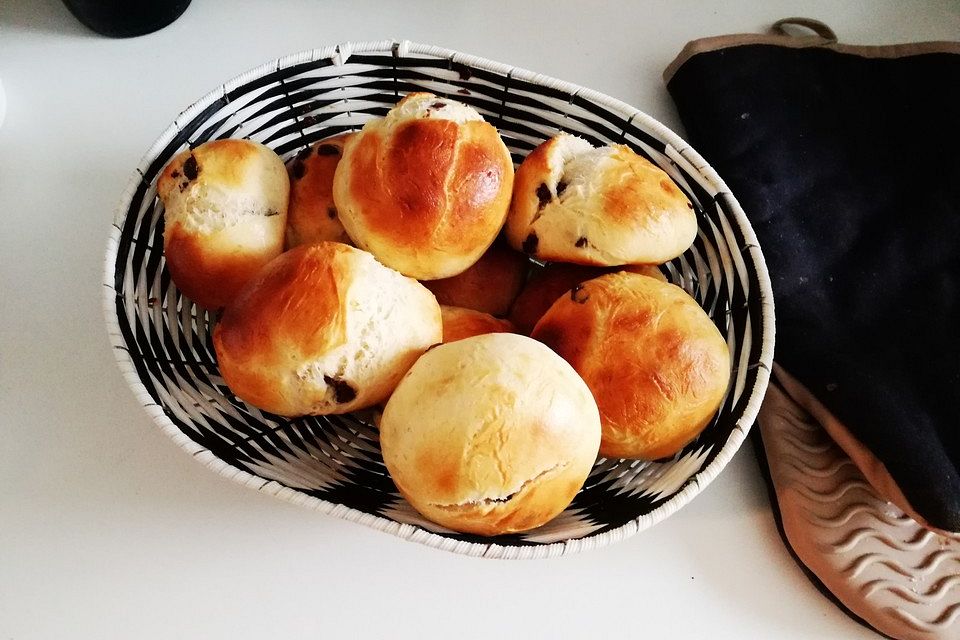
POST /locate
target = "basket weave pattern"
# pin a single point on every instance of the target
(163, 345)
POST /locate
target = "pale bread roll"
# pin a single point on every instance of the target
(312, 215)
(324, 328)
(490, 285)
(425, 189)
(605, 206)
(556, 279)
(491, 434)
(225, 210)
(460, 323)
(655, 362)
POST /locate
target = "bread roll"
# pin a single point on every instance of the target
(555, 280)
(655, 362)
(426, 189)
(606, 206)
(491, 434)
(324, 328)
(460, 323)
(490, 285)
(312, 216)
(225, 209)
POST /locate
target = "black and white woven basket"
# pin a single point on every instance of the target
(333, 464)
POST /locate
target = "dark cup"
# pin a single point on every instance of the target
(126, 18)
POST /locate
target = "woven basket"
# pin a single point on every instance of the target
(333, 464)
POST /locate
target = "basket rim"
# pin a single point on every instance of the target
(340, 54)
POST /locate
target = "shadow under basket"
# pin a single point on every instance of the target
(163, 345)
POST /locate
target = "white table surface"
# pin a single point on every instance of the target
(108, 530)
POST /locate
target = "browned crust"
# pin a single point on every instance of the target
(651, 192)
(490, 285)
(480, 185)
(460, 323)
(220, 161)
(555, 280)
(657, 366)
(408, 201)
(312, 215)
(542, 290)
(296, 300)
(212, 278)
(435, 185)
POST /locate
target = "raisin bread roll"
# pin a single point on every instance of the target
(606, 206)
(312, 215)
(489, 435)
(324, 328)
(425, 189)
(225, 210)
(655, 362)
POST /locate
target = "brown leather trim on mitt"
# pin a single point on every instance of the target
(714, 43)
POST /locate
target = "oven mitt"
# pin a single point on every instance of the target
(846, 159)
(876, 563)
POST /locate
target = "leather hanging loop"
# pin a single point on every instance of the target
(816, 26)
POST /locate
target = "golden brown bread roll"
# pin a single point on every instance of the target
(491, 434)
(425, 189)
(324, 328)
(490, 285)
(556, 279)
(225, 209)
(655, 362)
(312, 216)
(460, 323)
(605, 206)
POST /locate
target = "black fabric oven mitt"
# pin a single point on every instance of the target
(846, 159)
